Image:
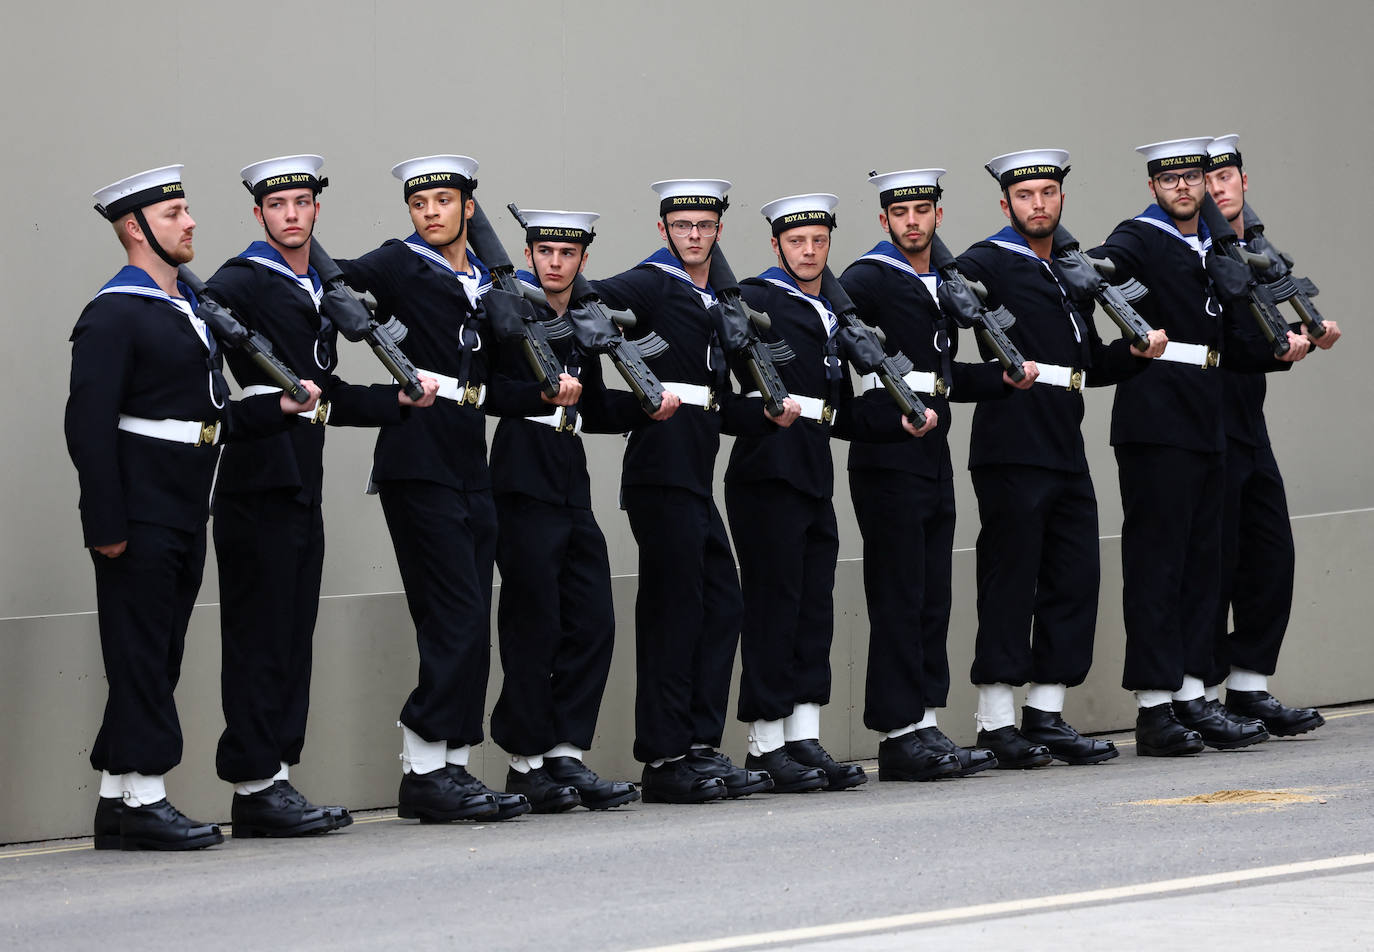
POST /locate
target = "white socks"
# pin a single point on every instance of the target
(135, 789)
(766, 736)
(666, 760)
(928, 720)
(419, 755)
(901, 731)
(257, 786)
(458, 756)
(995, 707)
(565, 750)
(1152, 698)
(1242, 680)
(1046, 697)
(1212, 692)
(1192, 689)
(526, 764)
(804, 723)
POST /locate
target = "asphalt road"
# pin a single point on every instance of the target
(1008, 860)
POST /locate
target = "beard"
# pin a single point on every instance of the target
(183, 254)
(1039, 231)
(911, 247)
(1169, 202)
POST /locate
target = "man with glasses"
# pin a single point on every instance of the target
(1170, 445)
(688, 608)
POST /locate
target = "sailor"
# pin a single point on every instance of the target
(903, 493)
(555, 619)
(1170, 446)
(688, 607)
(778, 490)
(1258, 559)
(269, 530)
(147, 412)
(1037, 550)
(430, 471)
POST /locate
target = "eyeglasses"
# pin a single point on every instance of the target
(1170, 180)
(684, 228)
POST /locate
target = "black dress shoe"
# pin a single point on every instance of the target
(339, 815)
(739, 781)
(907, 758)
(1064, 743)
(971, 759)
(676, 782)
(812, 754)
(275, 812)
(1279, 719)
(161, 826)
(596, 794)
(108, 810)
(1158, 733)
(1218, 729)
(545, 794)
(508, 805)
(1014, 751)
(788, 775)
(438, 797)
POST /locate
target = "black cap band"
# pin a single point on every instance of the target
(1026, 172)
(910, 193)
(1224, 160)
(418, 183)
(286, 181)
(798, 219)
(551, 233)
(687, 203)
(1173, 163)
(148, 196)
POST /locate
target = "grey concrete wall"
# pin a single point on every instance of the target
(580, 106)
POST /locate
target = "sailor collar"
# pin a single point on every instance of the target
(475, 283)
(885, 252)
(134, 280)
(1154, 215)
(1009, 239)
(262, 253)
(667, 262)
(780, 278)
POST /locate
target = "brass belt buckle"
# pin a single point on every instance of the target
(1076, 380)
(941, 388)
(321, 413)
(827, 413)
(471, 394)
(1213, 358)
(711, 399)
(208, 432)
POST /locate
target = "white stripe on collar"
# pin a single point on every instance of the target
(181, 304)
(471, 283)
(707, 298)
(1016, 249)
(827, 316)
(305, 284)
(1168, 228)
(892, 262)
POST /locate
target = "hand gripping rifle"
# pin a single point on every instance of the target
(1234, 276)
(355, 322)
(963, 299)
(1088, 277)
(511, 314)
(1283, 284)
(739, 326)
(231, 333)
(598, 331)
(863, 347)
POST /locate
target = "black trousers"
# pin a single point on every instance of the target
(555, 623)
(1257, 563)
(270, 551)
(1170, 562)
(907, 523)
(445, 541)
(144, 599)
(687, 620)
(1038, 575)
(787, 543)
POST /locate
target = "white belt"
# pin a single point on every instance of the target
(1198, 355)
(1066, 377)
(921, 381)
(812, 408)
(318, 415)
(174, 431)
(451, 389)
(692, 394)
(558, 420)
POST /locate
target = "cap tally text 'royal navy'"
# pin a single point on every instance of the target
(437, 171)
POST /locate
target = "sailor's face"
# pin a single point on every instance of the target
(288, 216)
(1183, 200)
(694, 248)
(911, 225)
(555, 263)
(1228, 187)
(805, 249)
(439, 213)
(1034, 206)
(172, 226)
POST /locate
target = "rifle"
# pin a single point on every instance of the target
(964, 300)
(1283, 284)
(512, 317)
(598, 331)
(230, 332)
(1260, 297)
(354, 321)
(1090, 275)
(739, 326)
(864, 349)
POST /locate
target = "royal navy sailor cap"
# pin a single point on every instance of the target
(437, 171)
(1029, 164)
(910, 185)
(282, 173)
(1223, 152)
(542, 224)
(691, 195)
(794, 211)
(1175, 154)
(138, 191)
